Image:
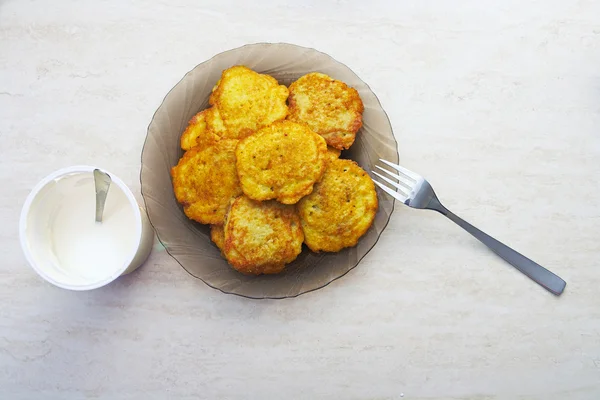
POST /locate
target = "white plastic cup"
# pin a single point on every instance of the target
(64, 244)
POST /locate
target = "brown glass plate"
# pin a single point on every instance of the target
(189, 242)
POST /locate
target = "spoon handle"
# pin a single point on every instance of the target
(102, 182)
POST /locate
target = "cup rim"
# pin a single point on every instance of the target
(27, 208)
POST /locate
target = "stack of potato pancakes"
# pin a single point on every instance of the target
(262, 167)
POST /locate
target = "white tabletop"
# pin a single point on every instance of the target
(496, 103)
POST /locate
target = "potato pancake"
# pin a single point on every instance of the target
(329, 107)
(332, 154)
(341, 208)
(248, 101)
(261, 237)
(281, 161)
(205, 180)
(217, 235)
(198, 132)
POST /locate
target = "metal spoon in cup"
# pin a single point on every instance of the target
(102, 182)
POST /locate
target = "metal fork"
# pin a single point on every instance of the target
(414, 191)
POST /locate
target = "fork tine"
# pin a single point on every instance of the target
(406, 182)
(403, 190)
(389, 191)
(403, 170)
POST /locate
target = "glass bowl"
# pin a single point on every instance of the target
(189, 242)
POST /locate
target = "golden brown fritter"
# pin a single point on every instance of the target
(198, 131)
(332, 154)
(340, 209)
(217, 235)
(329, 107)
(248, 101)
(205, 180)
(261, 237)
(215, 123)
(281, 161)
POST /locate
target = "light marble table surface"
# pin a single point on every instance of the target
(496, 103)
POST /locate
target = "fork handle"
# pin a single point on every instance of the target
(533, 270)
